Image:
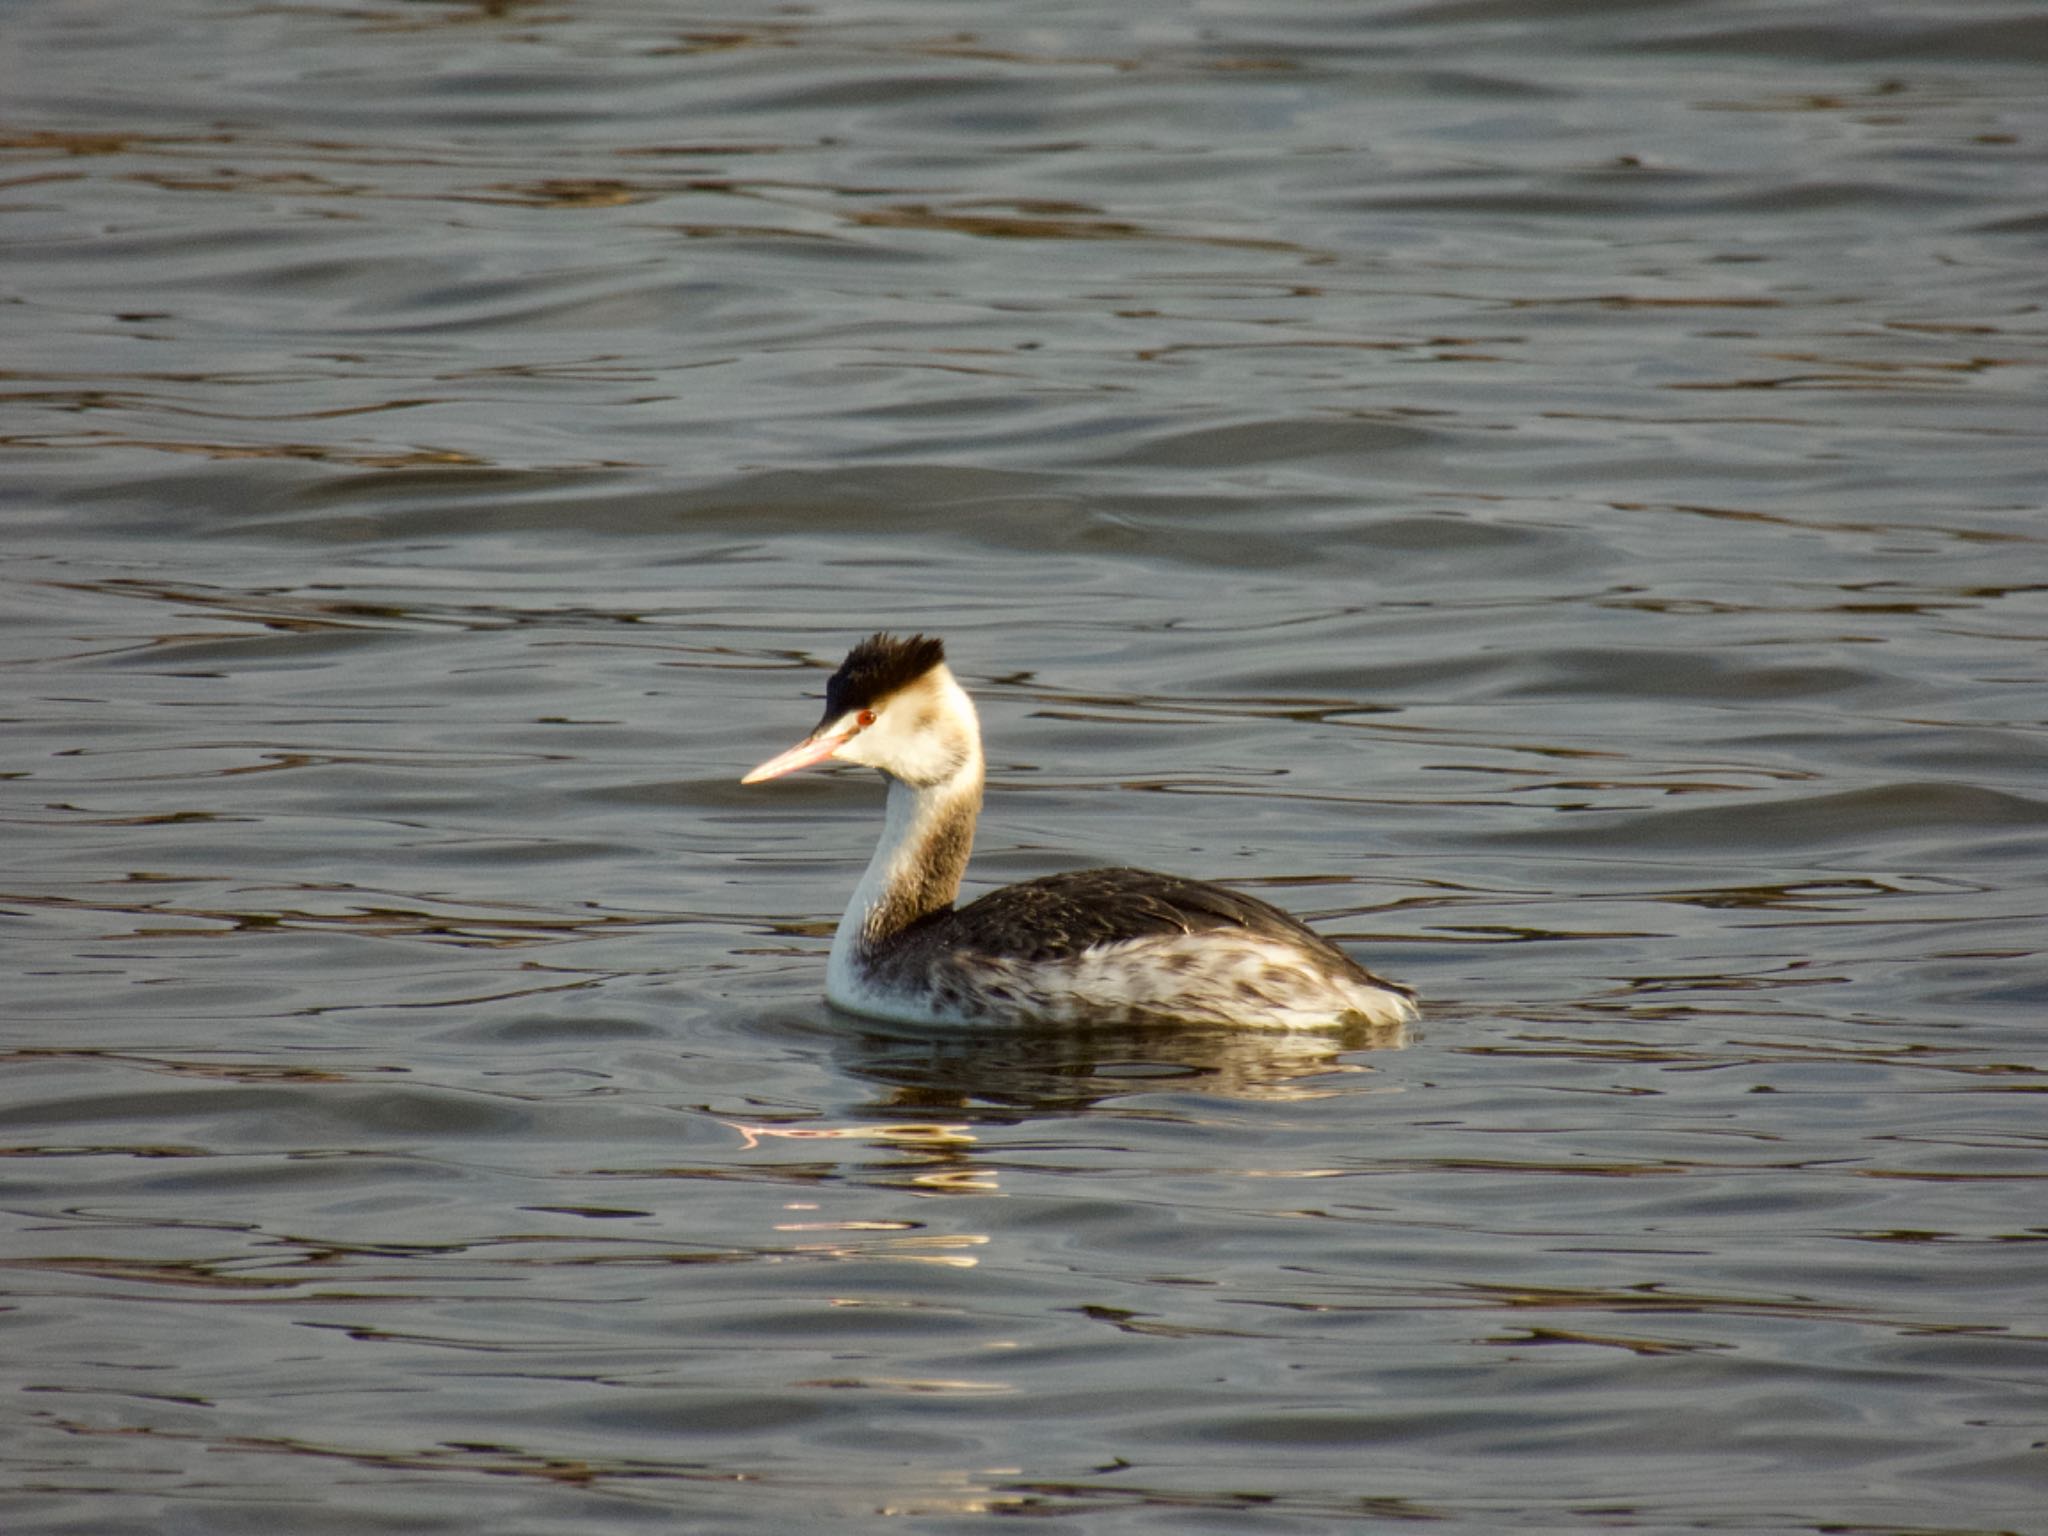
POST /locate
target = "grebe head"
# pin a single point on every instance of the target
(892, 705)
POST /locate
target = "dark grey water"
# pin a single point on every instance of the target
(1553, 492)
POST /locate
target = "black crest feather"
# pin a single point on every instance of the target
(877, 667)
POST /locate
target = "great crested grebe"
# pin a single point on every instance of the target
(1095, 946)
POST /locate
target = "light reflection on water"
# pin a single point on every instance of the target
(1550, 496)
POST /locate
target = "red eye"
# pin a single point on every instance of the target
(866, 717)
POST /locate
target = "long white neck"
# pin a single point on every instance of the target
(927, 835)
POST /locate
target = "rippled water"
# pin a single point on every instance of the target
(1552, 492)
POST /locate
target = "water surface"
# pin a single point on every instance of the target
(1551, 493)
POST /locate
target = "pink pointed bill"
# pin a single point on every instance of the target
(812, 749)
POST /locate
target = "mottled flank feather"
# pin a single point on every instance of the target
(879, 666)
(1092, 912)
